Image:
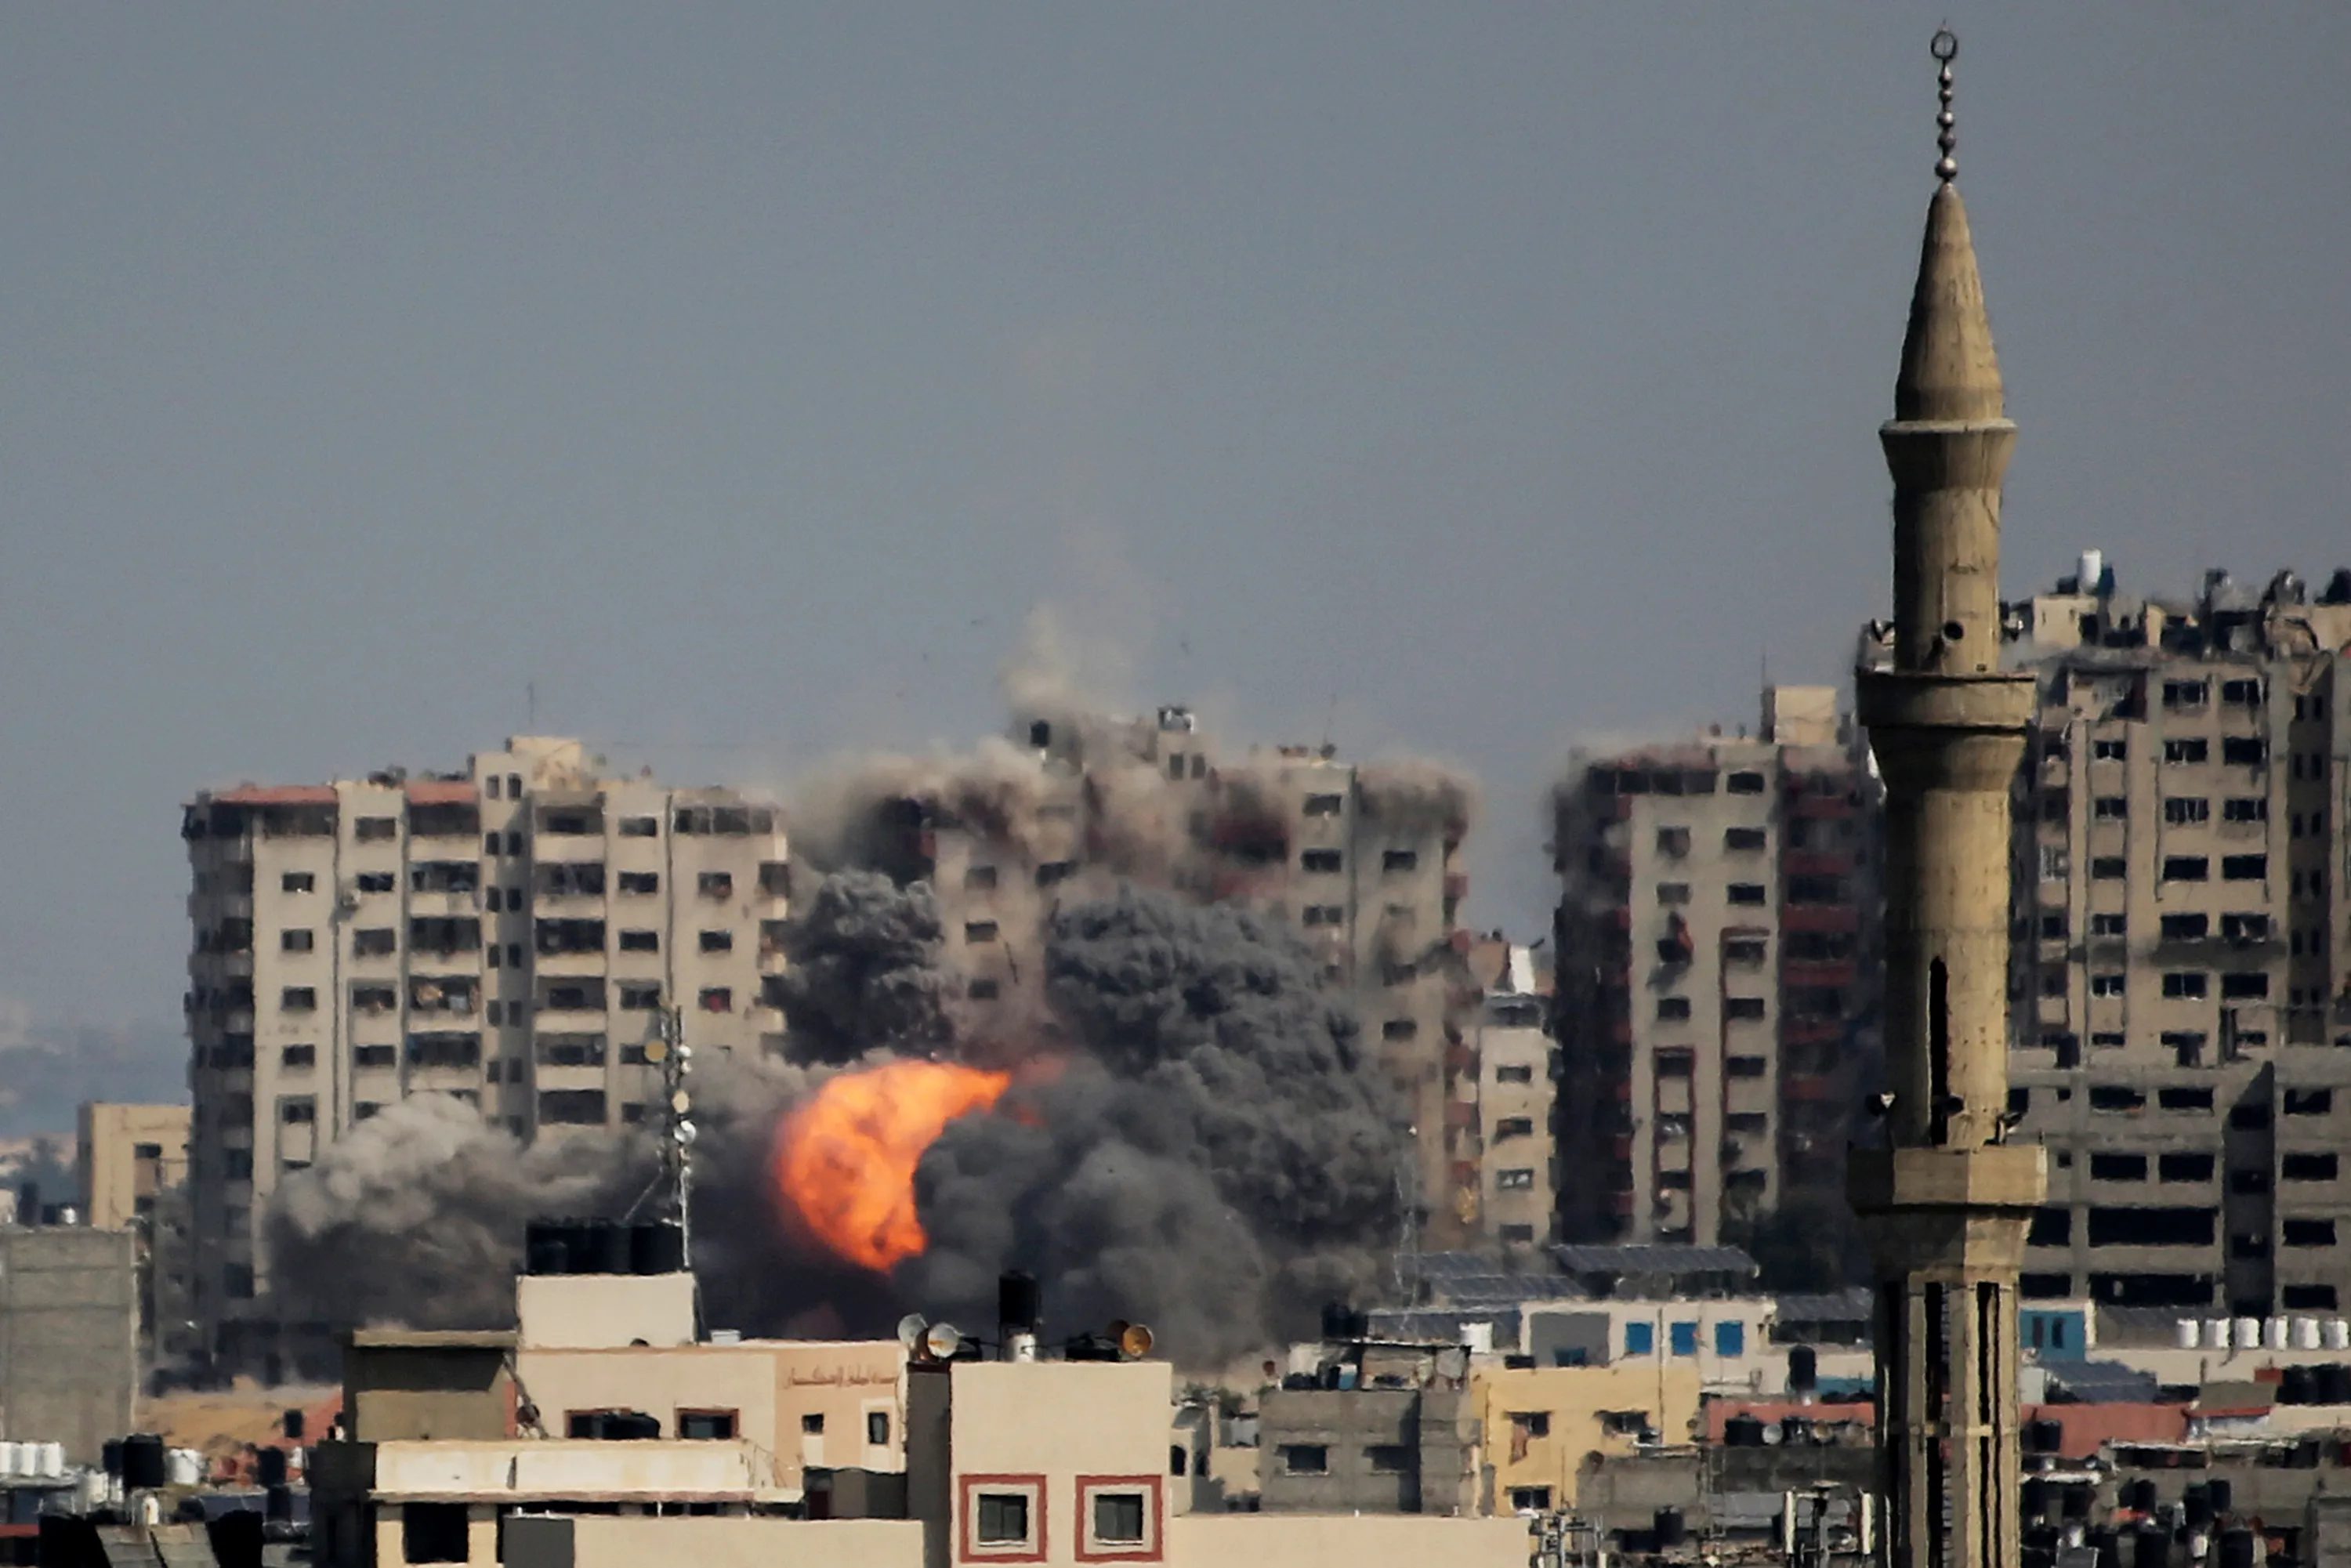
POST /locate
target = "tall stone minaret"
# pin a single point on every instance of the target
(1947, 1202)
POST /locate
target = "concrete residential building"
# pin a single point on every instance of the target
(1362, 858)
(126, 1156)
(1519, 1162)
(69, 1336)
(1715, 997)
(133, 1165)
(508, 935)
(2182, 927)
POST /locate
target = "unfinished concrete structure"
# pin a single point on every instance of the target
(1715, 996)
(69, 1336)
(508, 935)
(1947, 1201)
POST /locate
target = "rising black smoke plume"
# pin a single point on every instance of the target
(1218, 1158)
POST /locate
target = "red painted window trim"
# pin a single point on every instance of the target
(969, 1549)
(1154, 1549)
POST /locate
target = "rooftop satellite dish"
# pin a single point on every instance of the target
(1134, 1341)
(910, 1330)
(656, 1050)
(943, 1340)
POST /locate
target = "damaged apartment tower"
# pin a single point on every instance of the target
(1947, 1201)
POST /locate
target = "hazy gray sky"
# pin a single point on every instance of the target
(1467, 377)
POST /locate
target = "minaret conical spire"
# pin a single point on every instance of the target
(1948, 369)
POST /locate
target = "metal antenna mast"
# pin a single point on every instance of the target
(676, 1059)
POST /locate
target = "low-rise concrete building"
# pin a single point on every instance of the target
(593, 1345)
(69, 1336)
(1546, 1421)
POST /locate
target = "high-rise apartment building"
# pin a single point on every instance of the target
(2181, 932)
(1361, 859)
(508, 935)
(1717, 983)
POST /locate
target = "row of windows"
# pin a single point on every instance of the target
(1321, 860)
(1756, 896)
(1681, 1062)
(2169, 1228)
(1675, 841)
(2188, 1097)
(1681, 782)
(379, 998)
(1007, 1520)
(2179, 985)
(1682, 1338)
(1803, 1002)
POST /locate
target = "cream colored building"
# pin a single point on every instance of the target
(1513, 1085)
(133, 1165)
(596, 1344)
(507, 936)
(1057, 1463)
(1541, 1422)
(128, 1155)
(1715, 974)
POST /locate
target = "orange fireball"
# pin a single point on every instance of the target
(845, 1157)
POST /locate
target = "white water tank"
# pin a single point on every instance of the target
(8, 1460)
(2090, 570)
(51, 1461)
(2338, 1334)
(184, 1468)
(2249, 1334)
(2305, 1333)
(2216, 1333)
(1477, 1339)
(2275, 1338)
(2192, 1334)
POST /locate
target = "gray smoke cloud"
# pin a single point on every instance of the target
(1220, 1158)
(415, 1216)
(864, 970)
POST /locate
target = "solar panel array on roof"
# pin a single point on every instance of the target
(1465, 1279)
(2101, 1381)
(1653, 1258)
(1837, 1307)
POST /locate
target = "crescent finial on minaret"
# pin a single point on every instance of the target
(1946, 49)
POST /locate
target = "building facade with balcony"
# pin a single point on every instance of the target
(509, 936)
(1716, 995)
